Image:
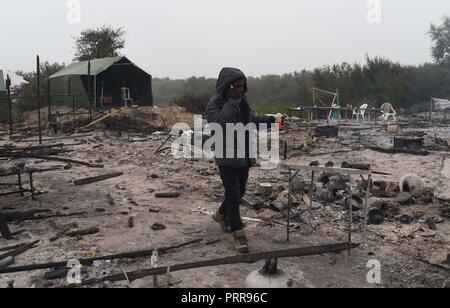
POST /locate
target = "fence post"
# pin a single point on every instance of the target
(38, 73)
(10, 117)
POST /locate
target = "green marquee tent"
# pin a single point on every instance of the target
(107, 78)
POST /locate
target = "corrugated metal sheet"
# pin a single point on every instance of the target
(81, 68)
(2, 82)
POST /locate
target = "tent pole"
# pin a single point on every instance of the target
(102, 95)
(49, 100)
(95, 91)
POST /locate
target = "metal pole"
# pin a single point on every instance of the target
(369, 180)
(350, 214)
(95, 91)
(311, 190)
(49, 100)
(289, 205)
(33, 196)
(89, 89)
(20, 183)
(431, 112)
(102, 97)
(10, 117)
(38, 73)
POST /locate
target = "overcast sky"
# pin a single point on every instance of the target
(183, 38)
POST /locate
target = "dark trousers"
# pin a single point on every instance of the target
(235, 181)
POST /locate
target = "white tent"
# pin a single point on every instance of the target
(440, 104)
(16, 80)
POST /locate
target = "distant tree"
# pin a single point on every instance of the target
(102, 42)
(440, 35)
(27, 92)
(47, 69)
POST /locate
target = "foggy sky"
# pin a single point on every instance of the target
(183, 38)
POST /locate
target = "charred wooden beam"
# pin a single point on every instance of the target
(248, 258)
(167, 195)
(88, 231)
(12, 247)
(99, 178)
(87, 262)
(65, 160)
(400, 151)
(19, 250)
(10, 216)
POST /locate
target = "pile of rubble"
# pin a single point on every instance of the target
(148, 120)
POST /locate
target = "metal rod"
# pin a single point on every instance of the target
(95, 91)
(295, 174)
(89, 90)
(311, 191)
(33, 195)
(10, 116)
(14, 192)
(38, 73)
(247, 259)
(20, 183)
(350, 214)
(369, 180)
(289, 206)
(49, 100)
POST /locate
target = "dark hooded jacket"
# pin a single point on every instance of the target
(223, 109)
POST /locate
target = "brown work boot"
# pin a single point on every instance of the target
(240, 241)
(220, 219)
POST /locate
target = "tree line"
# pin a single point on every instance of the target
(375, 82)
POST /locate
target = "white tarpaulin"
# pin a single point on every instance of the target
(440, 104)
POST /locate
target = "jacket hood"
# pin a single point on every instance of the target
(226, 77)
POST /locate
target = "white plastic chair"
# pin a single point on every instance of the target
(126, 97)
(360, 112)
(388, 111)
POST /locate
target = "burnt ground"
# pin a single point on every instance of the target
(411, 255)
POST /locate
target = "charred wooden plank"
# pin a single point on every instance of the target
(99, 178)
(248, 258)
(87, 262)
